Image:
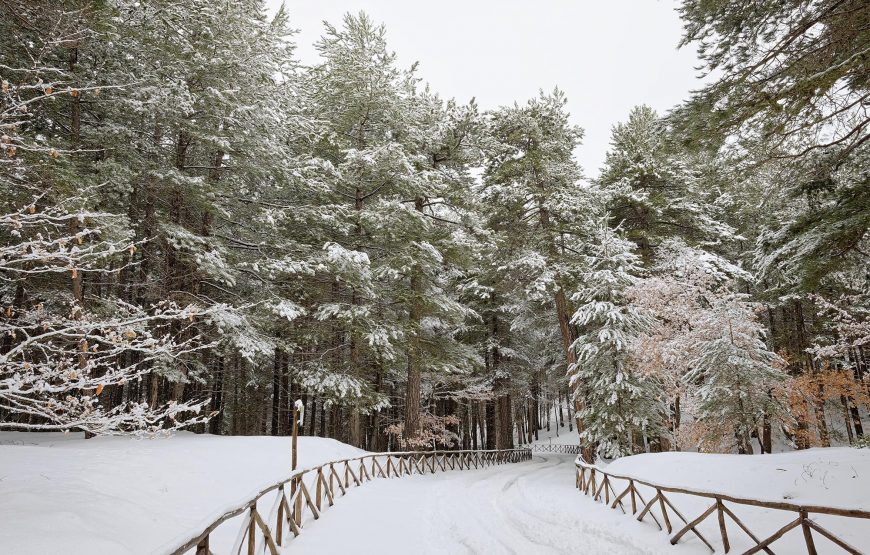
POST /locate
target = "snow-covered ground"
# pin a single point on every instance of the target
(63, 494)
(835, 477)
(524, 508)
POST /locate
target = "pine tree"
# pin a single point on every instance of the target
(621, 407)
(655, 191)
(536, 208)
(394, 161)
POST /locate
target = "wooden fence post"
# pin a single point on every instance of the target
(298, 407)
(808, 535)
(252, 530)
(279, 526)
(319, 488)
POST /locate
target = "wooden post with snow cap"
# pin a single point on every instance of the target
(298, 414)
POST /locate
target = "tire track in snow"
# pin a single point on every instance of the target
(533, 523)
(568, 531)
(477, 530)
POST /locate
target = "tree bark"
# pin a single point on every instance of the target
(489, 412)
(217, 397)
(415, 316)
(276, 393)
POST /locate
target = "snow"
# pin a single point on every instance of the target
(115, 495)
(836, 477)
(528, 508)
(119, 495)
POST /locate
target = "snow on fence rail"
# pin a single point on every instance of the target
(589, 483)
(309, 489)
(555, 448)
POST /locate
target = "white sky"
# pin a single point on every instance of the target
(607, 55)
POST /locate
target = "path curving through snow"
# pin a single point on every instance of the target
(523, 508)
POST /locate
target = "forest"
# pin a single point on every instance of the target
(196, 229)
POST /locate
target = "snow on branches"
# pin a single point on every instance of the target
(62, 354)
(58, 356)
(55, 366)
(621, 406)
(707, 346)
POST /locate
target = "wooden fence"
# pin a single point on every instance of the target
(555, 448)
(304, 495)
(594, 481)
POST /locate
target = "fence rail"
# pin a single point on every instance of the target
(312, 489)
(599, 484)
(555, 448)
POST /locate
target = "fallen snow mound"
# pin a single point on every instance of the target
(64, 494)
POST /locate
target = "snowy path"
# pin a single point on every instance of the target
(529, 507)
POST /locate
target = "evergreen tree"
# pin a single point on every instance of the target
(71, 351)
(394, 157)
(621, 407)
(537, 209)
(655, 192)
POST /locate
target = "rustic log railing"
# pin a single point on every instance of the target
(564, 449)
(301, 497)
(599, 484)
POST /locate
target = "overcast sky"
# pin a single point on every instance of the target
(607, 55)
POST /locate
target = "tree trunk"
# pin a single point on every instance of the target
(847, 419)
(377, 436)
(490, 424)
(217, 397)
(323, 422)
(467, 427)
(475, 423)
(355, 427)
(276, 393)
(766, 435)
(856, 419)
(504, 422)
(413, 391)
(535, 411)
